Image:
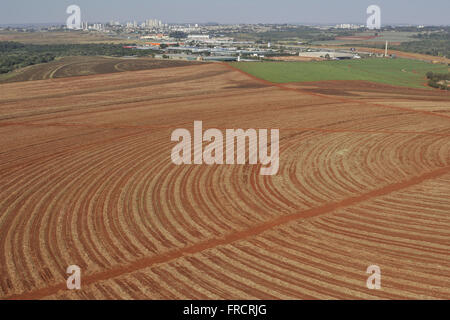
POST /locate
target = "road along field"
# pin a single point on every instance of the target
(87, 180)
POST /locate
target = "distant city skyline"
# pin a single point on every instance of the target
(417, 12)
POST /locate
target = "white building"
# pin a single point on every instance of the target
(348, 26)
(153, 23)
(198, 37)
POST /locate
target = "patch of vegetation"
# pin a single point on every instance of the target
(439, 48)
(435, 43)
(438, 80)
(400, 72)
(292, 33)
(14, 55)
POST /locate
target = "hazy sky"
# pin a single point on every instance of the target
(228, 11)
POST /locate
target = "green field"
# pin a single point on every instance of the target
(400, 72)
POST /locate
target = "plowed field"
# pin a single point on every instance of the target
(87, 179)
(83, 66)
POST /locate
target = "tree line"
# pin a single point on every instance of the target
(438, 80)
(430, 43)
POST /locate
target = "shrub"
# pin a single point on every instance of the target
(433, 84)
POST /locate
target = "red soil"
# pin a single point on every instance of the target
(87, 179)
